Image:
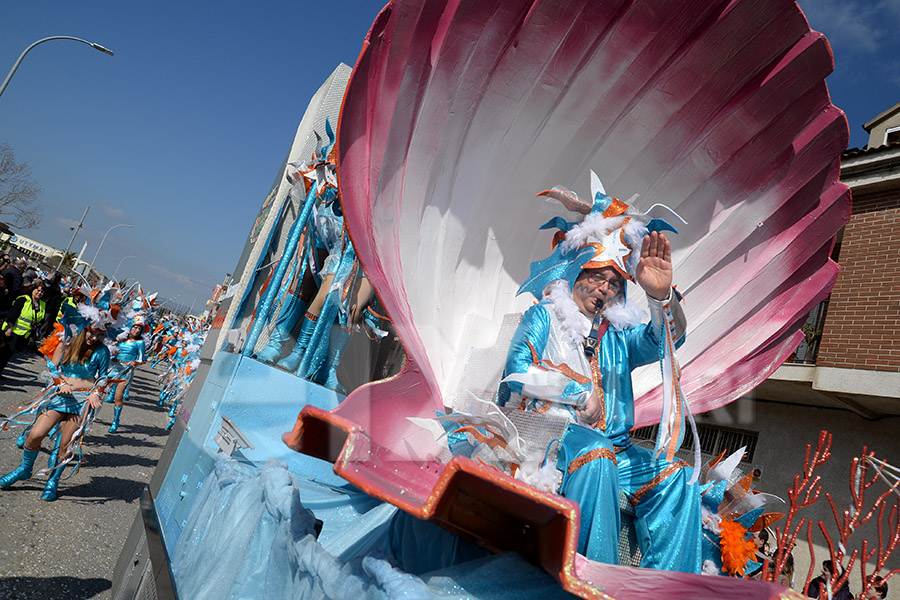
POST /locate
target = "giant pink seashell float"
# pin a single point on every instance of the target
(458, 113)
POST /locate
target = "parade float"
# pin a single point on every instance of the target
(454, 117)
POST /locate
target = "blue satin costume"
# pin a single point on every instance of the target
(96, 368)
(599, 462)
(129, 351)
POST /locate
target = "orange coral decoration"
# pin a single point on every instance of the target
(736, 550)
(52, 341)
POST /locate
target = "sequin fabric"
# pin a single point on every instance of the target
(594, 454)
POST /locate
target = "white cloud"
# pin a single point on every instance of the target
(113, 211)
(182, 279)
(64, 223)
(854, 26)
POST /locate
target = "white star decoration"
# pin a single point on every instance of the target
(615, 250)
(321, 174)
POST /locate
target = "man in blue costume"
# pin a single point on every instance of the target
(572, 356)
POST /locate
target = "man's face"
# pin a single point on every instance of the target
(594, 288)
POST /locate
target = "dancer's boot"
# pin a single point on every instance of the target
(117, 412)
(292, 360)
(282, 332)
(337, 345)
(20, 441)
(50, 490)
(23, 471)
(54, 454)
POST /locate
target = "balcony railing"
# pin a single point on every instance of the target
(806, 352)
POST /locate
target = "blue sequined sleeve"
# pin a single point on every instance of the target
(99, 365)
(643, 345)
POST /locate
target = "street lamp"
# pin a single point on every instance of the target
(124, 258)
(47, 39)
(91, 267)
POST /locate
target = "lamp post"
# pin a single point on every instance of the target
(91, 267)
(116, 272)
(74, 233)
(47, 39)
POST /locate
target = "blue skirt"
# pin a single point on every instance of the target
(70, 404)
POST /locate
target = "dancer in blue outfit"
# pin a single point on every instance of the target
(343, 293)
(572, 356)
(132, 352)
(82, 364)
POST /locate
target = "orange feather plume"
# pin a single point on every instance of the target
(736, 549)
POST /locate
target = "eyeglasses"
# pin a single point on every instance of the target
(613, 281)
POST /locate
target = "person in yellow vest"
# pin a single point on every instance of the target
(24, 316)
(73, 300)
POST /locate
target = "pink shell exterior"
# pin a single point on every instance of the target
(457, 113)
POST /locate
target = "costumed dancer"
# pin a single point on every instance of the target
(344, 291)
(24, 318)
(317, 230)
(572, 355)
(131, 353)
(80, 368)
(184, 367)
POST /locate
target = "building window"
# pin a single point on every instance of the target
(713, 439)
(808, 350)
(892, 136)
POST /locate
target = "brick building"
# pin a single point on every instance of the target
(845, 377)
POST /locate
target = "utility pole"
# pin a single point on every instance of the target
(80, 223)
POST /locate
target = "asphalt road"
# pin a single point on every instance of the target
(67, 549)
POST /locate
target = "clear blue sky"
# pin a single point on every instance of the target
(182, 132)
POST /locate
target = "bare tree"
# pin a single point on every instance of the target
(18, 191)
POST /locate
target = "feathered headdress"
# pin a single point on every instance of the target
(321, 171)
(609, 234)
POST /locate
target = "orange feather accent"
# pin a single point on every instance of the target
(52, 341)
(736, 549)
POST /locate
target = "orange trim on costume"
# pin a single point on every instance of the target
(663, 475)
(764, 521)
(565, 370)
(616, 208)
(591, 456)
(493, 441)
(562, 367)
(598, 387)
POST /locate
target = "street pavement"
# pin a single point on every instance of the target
(67, 550)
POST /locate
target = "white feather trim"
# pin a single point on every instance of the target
(709, 568)
(623, 315)
(91, 313)
(575, 326)
(546, 478)
(711, 521)
(594, 227)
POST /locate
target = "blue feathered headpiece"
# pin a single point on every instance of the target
(608, 235)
